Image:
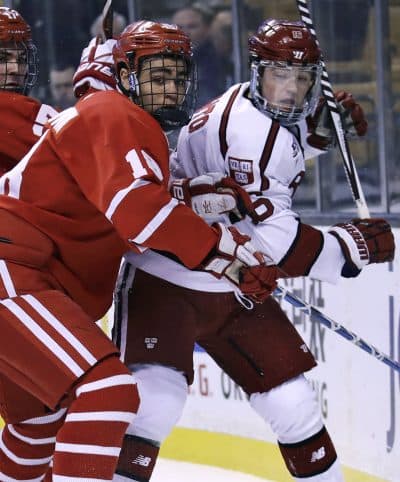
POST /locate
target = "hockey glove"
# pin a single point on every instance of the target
(96, 68)
(213, 194)
(251, 279)
(235, 258)
(364, 241)
(321, 133)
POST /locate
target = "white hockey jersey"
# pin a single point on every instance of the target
(230, 136)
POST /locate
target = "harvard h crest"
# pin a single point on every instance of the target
(241, 170)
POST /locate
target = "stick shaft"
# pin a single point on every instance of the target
(327, 91)
(108, 19)
(314, 313)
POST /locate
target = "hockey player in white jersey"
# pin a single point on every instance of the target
(258, 133)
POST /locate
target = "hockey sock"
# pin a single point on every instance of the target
(49, 475)
(27, 447)
(309, 457)
(89, 442)
(137, 459)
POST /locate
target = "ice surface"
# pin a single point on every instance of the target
(173, 471)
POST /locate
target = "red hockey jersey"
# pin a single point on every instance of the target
(21, 124)
(96, 185)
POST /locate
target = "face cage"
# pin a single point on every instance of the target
(283, 114)
(157, 96)
(25, 78)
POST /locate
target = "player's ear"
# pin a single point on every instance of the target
(124, 77)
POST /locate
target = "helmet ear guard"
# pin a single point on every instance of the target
(133, 85)
(133, 91)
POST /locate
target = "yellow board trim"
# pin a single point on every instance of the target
(249, 456)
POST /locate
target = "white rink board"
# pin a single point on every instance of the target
(359, 395)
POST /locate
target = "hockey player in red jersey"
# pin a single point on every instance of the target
(256, 133)
(23, 117)
(93, 187)
(21, 124)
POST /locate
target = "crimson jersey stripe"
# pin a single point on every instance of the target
(223, 144)
(155, 223)
(266, 154)
(303, 252)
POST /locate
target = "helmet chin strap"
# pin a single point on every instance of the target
(171, 118)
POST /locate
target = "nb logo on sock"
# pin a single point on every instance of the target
(318, 455)
(142, 461)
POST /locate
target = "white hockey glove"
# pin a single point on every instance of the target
(321, 133)
(364, 241)
(211, 195)
(205, 196)
(235, 258)
(96, 68)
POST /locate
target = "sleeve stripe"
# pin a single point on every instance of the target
(155, 223)
(119, 197)
(303, 252)
(223, 143)
(266, 154)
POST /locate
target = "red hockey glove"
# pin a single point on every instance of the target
(229, 258)
(258, 282)
(212, 195)
(96, 68)
(320, 126)
(364, 241)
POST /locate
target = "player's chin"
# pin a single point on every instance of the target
(288, 105)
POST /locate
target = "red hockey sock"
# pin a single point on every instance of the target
(89, 442)
(49, 475)
(27, 447)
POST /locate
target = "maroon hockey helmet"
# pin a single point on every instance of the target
(285, 41)
(146, 40)
(18, 60)
(290, 47)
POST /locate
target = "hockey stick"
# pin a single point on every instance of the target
(313, 312)
(348, 161)
(108, 17)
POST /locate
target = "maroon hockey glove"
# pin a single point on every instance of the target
(96, 68)
(231, 256)
(364, 241)
(212, 195)
(258, 282)
(353, 116)
(320, 126)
